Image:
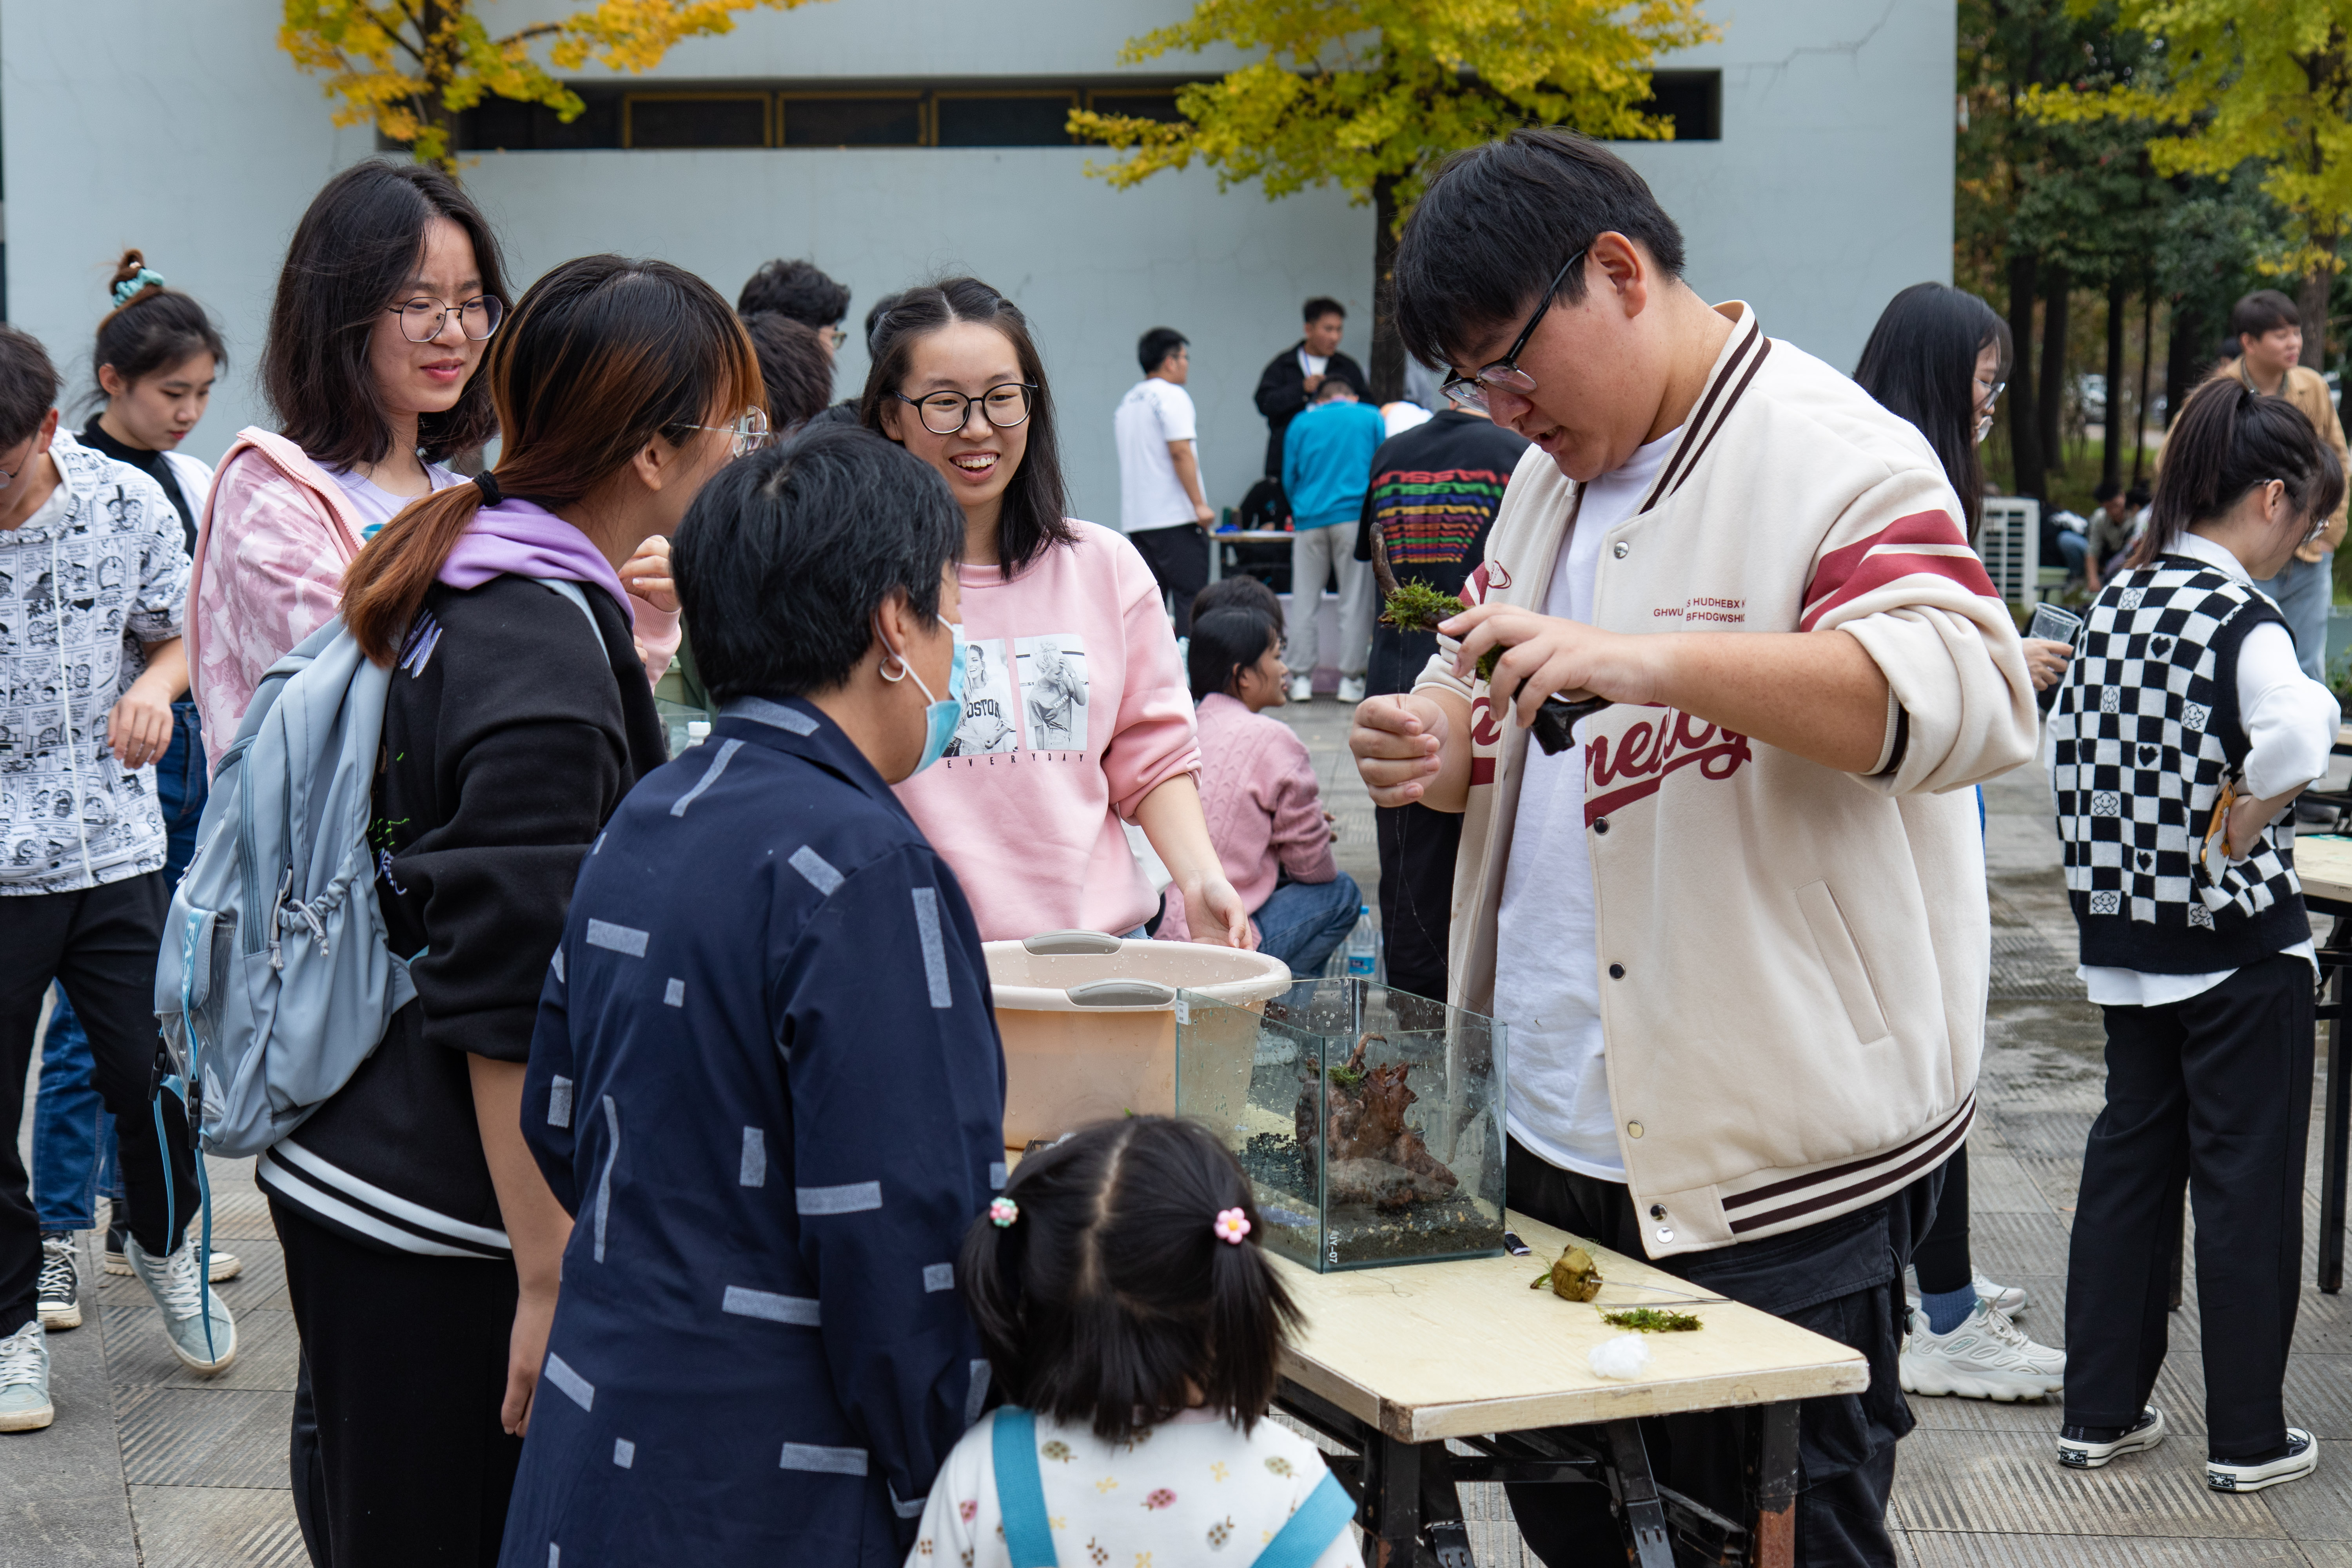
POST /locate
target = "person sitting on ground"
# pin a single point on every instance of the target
(768, 1019)
(798, 291)
(1266, 812)
(1327, 466)
(1240, 590)
(1134, 1326)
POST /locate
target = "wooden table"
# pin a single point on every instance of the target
(1217, 542)
(1393, 1362)
(2323, 863)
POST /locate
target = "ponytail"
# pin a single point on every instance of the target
(384, 585)
(2227, 439)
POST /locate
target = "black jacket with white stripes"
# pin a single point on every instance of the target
(509, 737)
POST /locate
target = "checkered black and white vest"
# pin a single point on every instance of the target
(2144, 730)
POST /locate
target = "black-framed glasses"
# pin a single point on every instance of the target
(1470, 391)
(421, 319)
(1003, 405)
(10, 476)
(747, 434)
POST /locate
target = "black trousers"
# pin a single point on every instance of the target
(1942, 1255)
(1179, 558)
(1417, 847)
(406, 1361)
(102, 943)
(1841, 1279)
(2218, 1089)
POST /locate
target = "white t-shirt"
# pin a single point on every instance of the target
(1312, 364)
(2290, 721)
(1192, 1489)
(1153, 412)
(378, 506)
(1547, 958)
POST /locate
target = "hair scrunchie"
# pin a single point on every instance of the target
(488, 483)
(130, 286)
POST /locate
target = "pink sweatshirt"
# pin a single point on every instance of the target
(1075, 709)
(1265, 808)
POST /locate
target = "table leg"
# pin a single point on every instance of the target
(1772, 1476)
(1644, 1515)
(2335, 1120)
(1216, 558)
(1393, 1489)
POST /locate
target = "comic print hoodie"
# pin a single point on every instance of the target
(1076, 708)
(98, 570)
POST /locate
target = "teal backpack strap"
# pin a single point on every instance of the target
(1309, 1533)
(1020, 1491)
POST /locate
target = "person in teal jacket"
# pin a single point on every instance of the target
(1327, 464)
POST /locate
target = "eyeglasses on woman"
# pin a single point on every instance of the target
(421, 319)
(1003, 405)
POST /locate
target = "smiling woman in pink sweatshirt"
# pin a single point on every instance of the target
(1075, 715)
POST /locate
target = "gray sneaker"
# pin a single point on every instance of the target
(203, 1334)
(24, 1380)
(225, 1265)
(58, 1293)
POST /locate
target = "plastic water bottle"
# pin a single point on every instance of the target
(1363, 945)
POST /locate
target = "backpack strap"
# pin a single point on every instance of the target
(571, 590)
(1020, 1491)
(1310, 1533)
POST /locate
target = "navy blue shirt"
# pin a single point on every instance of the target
(767, 1084)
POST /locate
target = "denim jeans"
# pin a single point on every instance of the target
(1303, 924)
(2303, 593)
(73, 1136)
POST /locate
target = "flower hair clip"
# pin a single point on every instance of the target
(1231, 1226)
(1002, 1212)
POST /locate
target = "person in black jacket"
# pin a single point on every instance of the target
(1292, 376)
(422, 1245)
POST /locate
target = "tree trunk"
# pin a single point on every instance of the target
(1388, 348)
(439, 67)
(2146, 359)
(2111, 462)
(2311, 304)
(2057, 284)
(2185, 362)
(2024, 428)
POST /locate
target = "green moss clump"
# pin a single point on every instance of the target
(1416, 606)
(1652, 1321)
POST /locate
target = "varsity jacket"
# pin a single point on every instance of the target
(1793, 958)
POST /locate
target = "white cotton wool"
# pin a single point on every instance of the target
(1625, 1356)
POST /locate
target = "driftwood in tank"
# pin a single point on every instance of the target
(1376, 1158)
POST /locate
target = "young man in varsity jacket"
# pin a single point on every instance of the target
(1739, 930)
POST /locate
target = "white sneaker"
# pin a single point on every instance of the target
(58, 1292)
(24, 1380)
(2077, 1453)
(224, 1265)
(1302, 689)
(2302, 1459)
(1986, 1357)
(2010, 1298)
(201, 1332)
(1351, 688)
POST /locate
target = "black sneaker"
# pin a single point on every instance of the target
(2301, 1458)
(2088, 1448)
(58, 1293)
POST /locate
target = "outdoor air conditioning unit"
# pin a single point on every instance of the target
(2010, 541)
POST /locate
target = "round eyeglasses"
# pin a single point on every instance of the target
(421, 319)
(747, 435)
(1003, 405)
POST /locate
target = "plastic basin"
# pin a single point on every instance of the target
(1089, 1022)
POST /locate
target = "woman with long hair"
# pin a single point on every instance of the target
(1081, 664)
(421, 1242)
(1939, 357)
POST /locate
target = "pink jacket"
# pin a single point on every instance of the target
(276, 535)
(1265, 808)
(1075, 709)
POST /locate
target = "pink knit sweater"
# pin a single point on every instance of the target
(1265, 808)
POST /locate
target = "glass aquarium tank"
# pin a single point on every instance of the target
(1370, 1120)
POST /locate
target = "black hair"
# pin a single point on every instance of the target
(28, 386)
(794, 289)
(1112, 1291)
(2137, 497)
(793, 366)
(2263, 310)
(1323, 305)
(783, 558)
(1035, 514)
(360, 240)
(2229, 348)
(2107, 490)
(1333, 385)
(1498, 221)
(1240, 589)
(151, 330)
(1920, 362)
(2228, 440)
(1224, 643)
(1152, 350)
(874, 315)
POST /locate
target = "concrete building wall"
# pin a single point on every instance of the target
(182, 129)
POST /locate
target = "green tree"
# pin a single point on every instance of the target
(409, 67)
(1370, 94)
(2263, 87)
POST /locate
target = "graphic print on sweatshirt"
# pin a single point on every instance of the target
(1053, 671)
(1024, 700)
(987, 725)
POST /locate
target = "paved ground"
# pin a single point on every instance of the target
(147, 1466)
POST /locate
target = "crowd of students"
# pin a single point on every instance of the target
(670, 1216)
